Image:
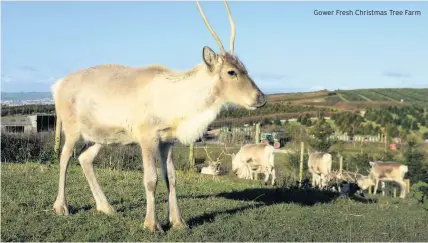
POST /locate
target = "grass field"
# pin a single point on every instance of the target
(358, 98)
(216, 210)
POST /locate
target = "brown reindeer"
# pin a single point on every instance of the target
(151, 106)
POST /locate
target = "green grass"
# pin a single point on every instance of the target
(216, 210)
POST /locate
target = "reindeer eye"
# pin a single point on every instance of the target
(231, 73)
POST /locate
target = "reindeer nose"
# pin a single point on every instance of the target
(261, 99)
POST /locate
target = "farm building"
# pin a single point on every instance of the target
(26, 124)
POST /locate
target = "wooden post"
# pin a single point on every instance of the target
(370, 189)
(57, 138)
(302, 149)
(383, 188)
(191, 157)
(257, 133)
(340, 163)
(407, 185)
(386, 140)
(395, 192)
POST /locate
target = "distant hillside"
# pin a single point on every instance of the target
(15, 96)
(358, 98)
(342, 99)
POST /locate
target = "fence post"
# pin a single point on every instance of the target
(191, 157)
(407, 185)
(57, 138)
(370, 190)
(302, 149)
(383, 188)
(257, 137)
(340, 163)
(395, 192)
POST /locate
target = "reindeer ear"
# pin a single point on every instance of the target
(371, 163)
(209, 56)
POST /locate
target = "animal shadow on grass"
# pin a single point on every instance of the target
(270, 196)
(83, 208)
(76, 209)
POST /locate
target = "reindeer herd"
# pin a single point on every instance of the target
(153, 107)
(254, 159)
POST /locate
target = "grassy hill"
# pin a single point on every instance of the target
(322, 97)
(216, 210)
(358, 98)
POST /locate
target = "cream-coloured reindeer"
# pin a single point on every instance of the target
(213, 167)
(255, 158)
(151, 106)
(383, 172)
(319, 165)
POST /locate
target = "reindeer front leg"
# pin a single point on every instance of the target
(375, 189)
(402, 189)
(169, 175)
(149, 147)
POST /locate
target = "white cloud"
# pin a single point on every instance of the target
(6, 79)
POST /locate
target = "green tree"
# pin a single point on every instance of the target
(321, 131)
(414, 126)
(414, 158)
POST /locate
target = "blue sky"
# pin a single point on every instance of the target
(285, 47)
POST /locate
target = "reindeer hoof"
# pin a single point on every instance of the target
(179, 225)
(61, 208)
(107, 209)
(153, 226)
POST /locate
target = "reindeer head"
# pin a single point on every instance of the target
(214, 164)
(232, 83)
(364, 182)
(236, 164)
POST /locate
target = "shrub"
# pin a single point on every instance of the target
(21, 148)
(420, 192)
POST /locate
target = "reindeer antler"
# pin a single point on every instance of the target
(209, 157)
(218, 158)
(232, 29)
(208, 154)
(356, 173)
(210, 28)
(227, 151)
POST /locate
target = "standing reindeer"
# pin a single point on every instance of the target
(382, 172)
(319, 165)
(151, 106)
(255, 158)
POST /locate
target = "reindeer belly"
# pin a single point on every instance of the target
(104, 133)
(107, 135)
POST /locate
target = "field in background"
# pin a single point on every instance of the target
(216, 210)
(358, 98)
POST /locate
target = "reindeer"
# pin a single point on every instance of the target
(254, 158)
(214, 165)
(150, 106)
(383, 172)
(319, 165)
(344, 176)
